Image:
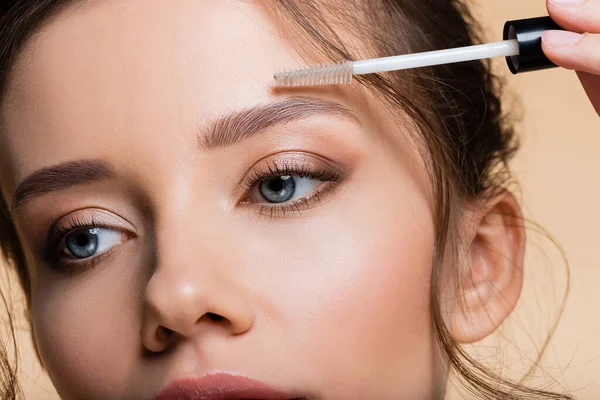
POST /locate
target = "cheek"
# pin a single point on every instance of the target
(86, 331)
(377, 313)
(353, 284)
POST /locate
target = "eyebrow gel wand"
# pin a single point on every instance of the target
(522, 47)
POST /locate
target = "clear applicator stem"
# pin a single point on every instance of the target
(507, 48)
(522, 48)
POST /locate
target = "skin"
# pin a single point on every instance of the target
(329, 301)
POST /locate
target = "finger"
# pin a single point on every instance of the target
(591, 84)
(576, 15)
(570, 50)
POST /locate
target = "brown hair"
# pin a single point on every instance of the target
(456, 109)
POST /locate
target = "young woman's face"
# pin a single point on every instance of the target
(180, 218)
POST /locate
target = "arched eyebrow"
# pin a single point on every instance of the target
(242, 124)
(60, 177)
(225, 131)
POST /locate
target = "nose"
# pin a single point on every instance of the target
(190, 295)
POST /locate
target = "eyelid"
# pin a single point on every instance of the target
(83, 219)
(331, 174)
(283, 160)
(88, 216)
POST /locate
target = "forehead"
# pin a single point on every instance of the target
(111, 68)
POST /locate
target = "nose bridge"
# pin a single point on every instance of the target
(189, 246)
(191, 232)
(195, 283)
(191, 224)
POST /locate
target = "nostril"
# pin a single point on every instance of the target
(215, 317)
(163, 334)
(158, 342)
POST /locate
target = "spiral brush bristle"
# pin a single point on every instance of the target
(318, 75)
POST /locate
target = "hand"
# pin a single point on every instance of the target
(578, 48)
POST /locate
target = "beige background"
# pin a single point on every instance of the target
(558, 170)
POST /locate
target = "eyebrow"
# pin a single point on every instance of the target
(60, 177)
(242, 124)
(227, 130)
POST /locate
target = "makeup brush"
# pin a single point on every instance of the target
(522, 47)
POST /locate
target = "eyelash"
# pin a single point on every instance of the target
(332, 177)
(56, 234)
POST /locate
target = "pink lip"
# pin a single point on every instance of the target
(221, 386)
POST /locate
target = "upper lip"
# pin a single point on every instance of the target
(222, 386)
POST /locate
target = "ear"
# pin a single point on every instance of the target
(494, 240)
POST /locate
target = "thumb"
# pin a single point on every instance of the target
(573, 50)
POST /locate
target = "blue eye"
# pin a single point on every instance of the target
(85, 243)
(281, 189)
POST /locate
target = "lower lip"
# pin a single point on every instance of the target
(220, 387)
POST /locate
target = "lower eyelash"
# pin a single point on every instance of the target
(77, 267)
(298, 205)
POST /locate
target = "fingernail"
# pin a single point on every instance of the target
(560, 38)
(561, 3)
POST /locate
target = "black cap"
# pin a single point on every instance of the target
(528, 33)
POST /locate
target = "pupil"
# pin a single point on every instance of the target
(83, 243)
(276, 185)
(279, 189)
(82, 240)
